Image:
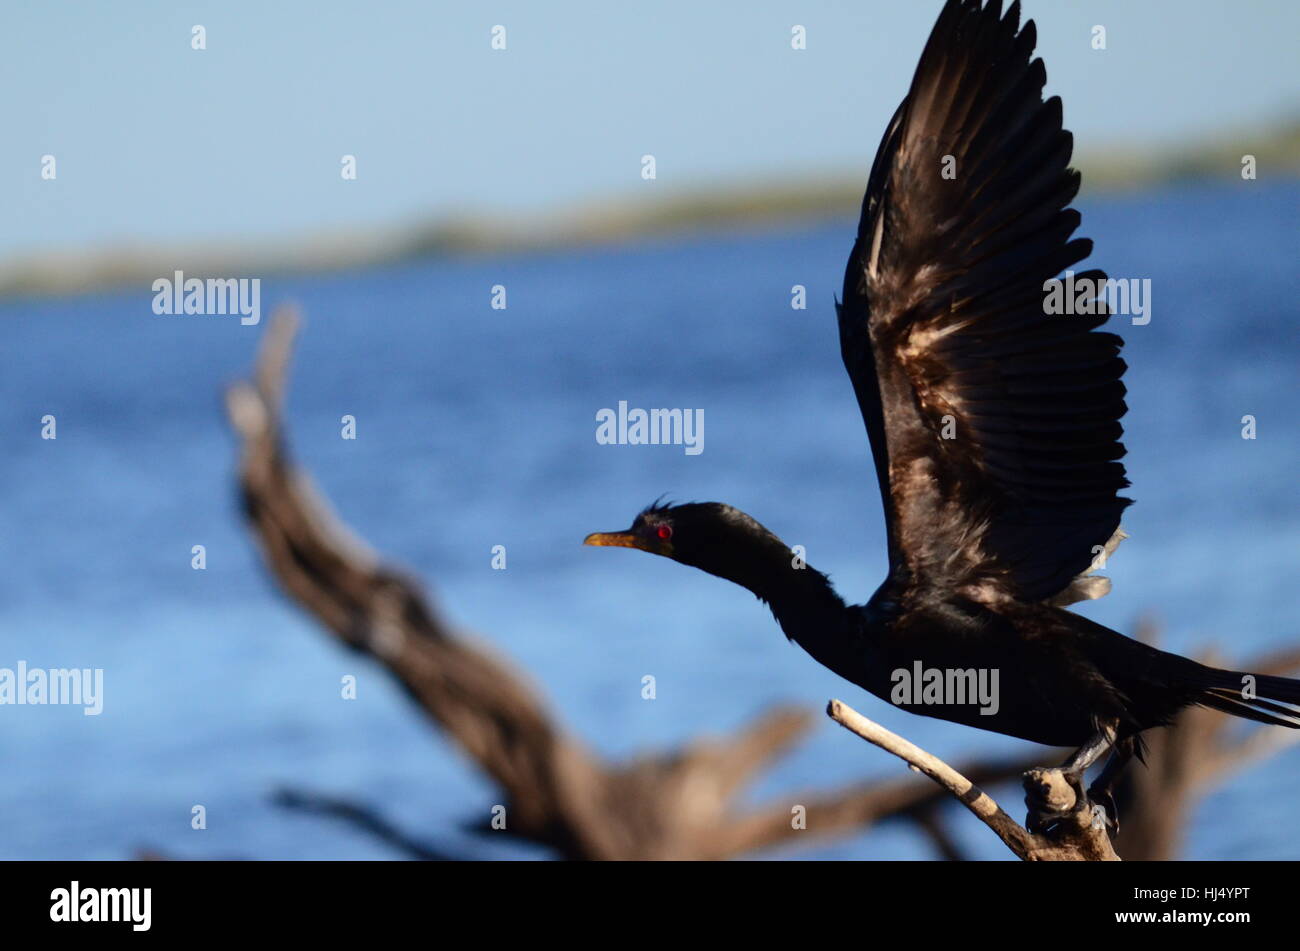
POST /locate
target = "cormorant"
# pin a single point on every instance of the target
(995, 429)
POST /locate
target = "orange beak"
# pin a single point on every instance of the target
(617, 540)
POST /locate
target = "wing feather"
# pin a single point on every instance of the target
(995, 426)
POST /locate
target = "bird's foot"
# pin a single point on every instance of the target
(1055, 796)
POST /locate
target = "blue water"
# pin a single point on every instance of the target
(476, 428)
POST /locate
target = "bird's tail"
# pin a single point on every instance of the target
(1260, 697)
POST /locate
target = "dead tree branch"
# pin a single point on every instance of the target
(1075, 840)
(359, 817)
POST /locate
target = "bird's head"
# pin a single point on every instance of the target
(711, 536)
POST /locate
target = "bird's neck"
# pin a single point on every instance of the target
(809, 610)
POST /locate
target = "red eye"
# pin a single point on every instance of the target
(664, 532)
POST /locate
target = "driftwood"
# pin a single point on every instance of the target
(679, 804)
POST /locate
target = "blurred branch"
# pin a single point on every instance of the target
(360, 817)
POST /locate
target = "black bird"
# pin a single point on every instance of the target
(995, 429)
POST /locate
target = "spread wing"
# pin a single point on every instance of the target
(995, 426)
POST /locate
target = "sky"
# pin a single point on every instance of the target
(157, 142)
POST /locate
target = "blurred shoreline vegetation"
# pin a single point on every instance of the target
(698, 210)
